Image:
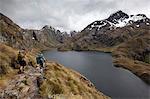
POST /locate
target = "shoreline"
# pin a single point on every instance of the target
(143, 76)
(58, 79)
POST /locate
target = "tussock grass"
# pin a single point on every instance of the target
(134, 55)
(61, 80)
(6, 56)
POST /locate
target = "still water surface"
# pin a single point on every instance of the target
(115, 82)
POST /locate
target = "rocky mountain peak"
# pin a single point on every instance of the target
(142, 15)
(119, 15)
(47, 27)
(119, 19)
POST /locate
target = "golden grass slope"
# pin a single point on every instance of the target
(60, 82)
(134, 55)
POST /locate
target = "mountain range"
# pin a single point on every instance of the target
(56, 80)
(127, 37)
(15, 36)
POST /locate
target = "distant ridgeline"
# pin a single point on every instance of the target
(55, 81)
(126, 36)
(116, 29)
(13, 35)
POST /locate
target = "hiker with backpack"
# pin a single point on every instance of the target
(41, 61)
(21, 60)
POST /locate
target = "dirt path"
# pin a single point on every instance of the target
(22, 86)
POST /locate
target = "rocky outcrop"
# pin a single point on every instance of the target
(10, 33)
(22, 86)
(13, 35)
(117, 16)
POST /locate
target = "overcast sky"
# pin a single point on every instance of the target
(67, 14)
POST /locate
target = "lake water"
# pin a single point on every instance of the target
(115, 82)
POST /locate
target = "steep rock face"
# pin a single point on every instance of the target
(119, 19)
(47, 36)
(55, 35)
(13, 35)
(10, 33)
(110, 32)
(119, 15)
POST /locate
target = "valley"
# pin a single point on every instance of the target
(129, 43)
(124, 38)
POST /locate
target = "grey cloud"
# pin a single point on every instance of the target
(67, 14)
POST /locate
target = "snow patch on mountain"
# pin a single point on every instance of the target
(130, 20)
(98, 25)
(147, 23)
(119, 19)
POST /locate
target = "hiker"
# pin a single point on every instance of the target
(21, 60)
(40, 60)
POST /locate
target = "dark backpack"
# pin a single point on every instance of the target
(22, 63)
(38, 60)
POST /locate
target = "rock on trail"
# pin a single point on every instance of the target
(23, 86)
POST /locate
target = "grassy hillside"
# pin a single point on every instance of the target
(58, 81)
(135, 56)
(61, 80)
(6, 54)
(130, 45)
